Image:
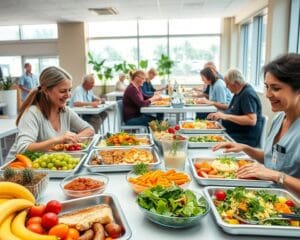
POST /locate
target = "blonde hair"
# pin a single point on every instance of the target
(134, 74)
(49, 78)
(153, 71)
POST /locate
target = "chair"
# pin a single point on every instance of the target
(121, 124)
(262, 140)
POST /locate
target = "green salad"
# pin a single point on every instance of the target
(173, 202)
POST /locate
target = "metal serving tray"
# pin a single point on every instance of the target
(118, 167)
(58, 173)
(109, 199)
(88, 140)
(206, 144)
(226, 181)
(221, 129)
(247, 229)
(100, 138)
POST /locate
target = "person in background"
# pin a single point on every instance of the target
(219, 95)
(44, 119)
(120, 85)
(147, 87)
(243, 117)
(134, 99)
(281, 156)
(27, 81)
(83, 96)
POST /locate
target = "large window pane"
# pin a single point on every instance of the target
(249, 53)
(48, 31)
(39, 63)
(190, 54)
(9, 33)
(12, 65)
(195, 26)
(112, 29)
(153, 27)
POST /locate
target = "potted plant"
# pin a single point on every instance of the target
(9, 95)
(143, 64)
(35, 182)
(124, 67)
(164, 67)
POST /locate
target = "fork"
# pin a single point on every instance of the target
(278, 217)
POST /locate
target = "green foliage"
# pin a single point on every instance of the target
(98, 67)
(143, 64)
(140, 168)
(164, 66)
(6, 83)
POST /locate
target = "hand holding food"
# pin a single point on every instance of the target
(216, 116)
(68, 137)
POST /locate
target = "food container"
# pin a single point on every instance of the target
(82, 193)
(97, 143)
(226, 181)
(175, 222)
(247, 229)
(68, 147)
(204, 144)
(38, 189)
(117, 167)
(57, 173)
(219, 128)
(109, 199)
(137, 188)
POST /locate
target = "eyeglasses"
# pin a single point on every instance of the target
(140, 77)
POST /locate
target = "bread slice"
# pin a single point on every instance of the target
(83, 219)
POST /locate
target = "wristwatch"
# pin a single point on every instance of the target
(281, 178)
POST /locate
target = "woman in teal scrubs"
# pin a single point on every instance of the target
(281, 156)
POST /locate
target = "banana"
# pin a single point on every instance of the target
(5, 231)
(2, 196)
(18, 228)
(16, 190)
(12, 206)
(3, 200)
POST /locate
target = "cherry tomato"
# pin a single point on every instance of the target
(59, 230)
(36, 227)
(37, 211)
(73, 234)
(114, 230)
(177, 127)
(171, 130)
(49, 220)
(290, 203)
(53, 206)
(34, 220)
(220, 195)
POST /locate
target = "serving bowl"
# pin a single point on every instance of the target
(86, 184)
(138, 188)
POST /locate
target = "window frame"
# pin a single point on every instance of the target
(294, 32)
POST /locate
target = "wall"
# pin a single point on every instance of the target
(72, 49)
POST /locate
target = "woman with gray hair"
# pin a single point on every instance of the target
(243, 117)
(44, 119)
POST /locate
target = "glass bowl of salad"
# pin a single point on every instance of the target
(177, 208)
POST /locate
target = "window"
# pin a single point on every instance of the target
(253, 49)
(39, 63)
(38, 31)
(11, 65)
(133, 41)
(9, 33)
(294, 35)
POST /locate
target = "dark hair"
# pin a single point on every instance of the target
(209, 74)
(26, 65)
(134, 74)
(286, 68)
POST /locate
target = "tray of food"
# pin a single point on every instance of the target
(255, 211)
(56, 165)
(120, 159)
(192, 102)
(206, 140)
(96, 217)
(222, 171)
(201, 126)
(83, 144)
(164, 102)
(123, 139)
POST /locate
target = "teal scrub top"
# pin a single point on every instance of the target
(284, 156)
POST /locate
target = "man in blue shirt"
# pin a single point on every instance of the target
(243, 117)
(27, 81)
(83, 96)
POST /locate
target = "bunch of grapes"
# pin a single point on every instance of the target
(56, 161)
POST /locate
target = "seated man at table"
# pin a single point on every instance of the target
(83, 96)
(243, 118)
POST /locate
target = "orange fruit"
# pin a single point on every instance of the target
(59, 230)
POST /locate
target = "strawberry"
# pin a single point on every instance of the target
(177, 127)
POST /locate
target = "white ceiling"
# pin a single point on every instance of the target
(51, 11)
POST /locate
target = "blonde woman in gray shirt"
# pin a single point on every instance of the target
(44, 120)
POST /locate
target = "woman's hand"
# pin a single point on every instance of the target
(230, 147)
(216, 116)
(202, 101)
(69, 137)
(257, 170)
(155, 97)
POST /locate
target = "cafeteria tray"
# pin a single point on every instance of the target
(118, 167)
(141, 135)
(226, 181)
(206, 144)
(247, 229)
(220, 128)
(109, 199)
(57, 173)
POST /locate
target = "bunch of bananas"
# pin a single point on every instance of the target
(14, 202)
